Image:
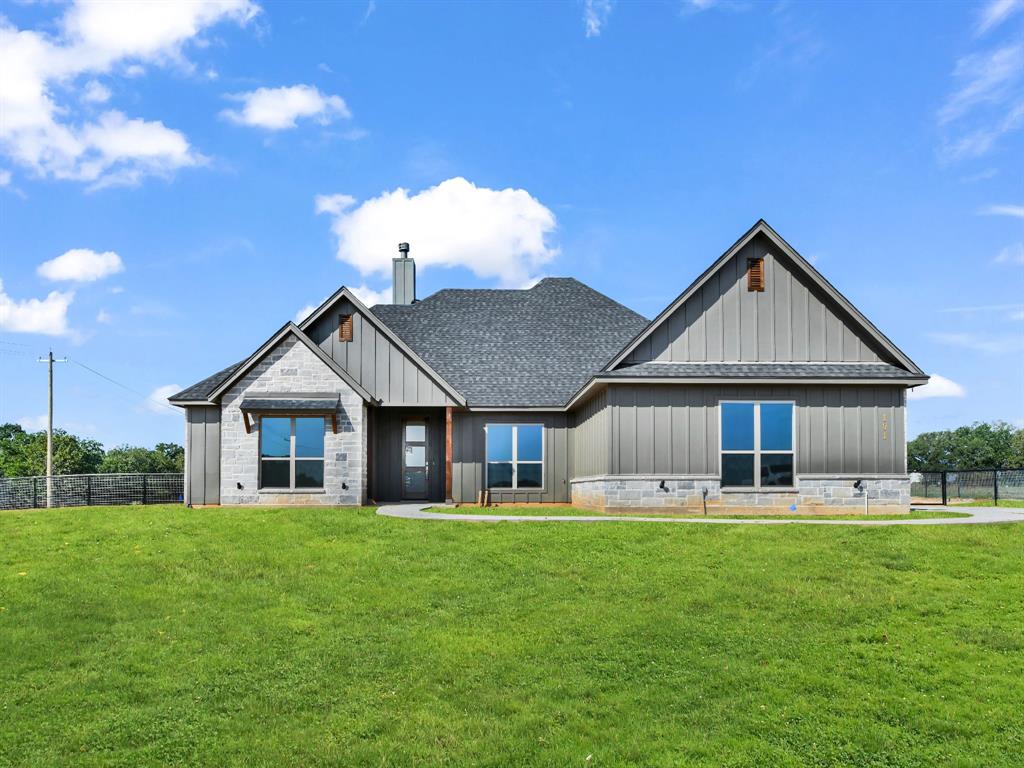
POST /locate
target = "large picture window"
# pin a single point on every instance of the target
(757, 445)
(292, 452)
(515, 456)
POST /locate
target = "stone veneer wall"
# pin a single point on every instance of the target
(291, 367)
(818, 495)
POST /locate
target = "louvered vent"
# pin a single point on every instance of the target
(344, 327)
(755, 274)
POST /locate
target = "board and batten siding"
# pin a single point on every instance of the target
(202, 449)
(840, 430)
(590, 434)
(387, 429)
(469, 455)
(791, 320)
(374, 361)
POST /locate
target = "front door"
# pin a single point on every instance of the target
(414, 460)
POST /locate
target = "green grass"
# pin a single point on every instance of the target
(271, 637)
(983, 503)
(558, 511)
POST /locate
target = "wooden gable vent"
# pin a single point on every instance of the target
(344, 327)
(755, 274)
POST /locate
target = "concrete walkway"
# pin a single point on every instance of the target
(978, 515)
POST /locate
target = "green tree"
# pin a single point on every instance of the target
(24, 453)
(978, 446)
(166, 457)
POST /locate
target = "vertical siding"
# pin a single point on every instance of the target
(372, 360)
(673, 429)
(203, 469)
(590, 437)
(386, 425)
(469, 455)
(790, 321)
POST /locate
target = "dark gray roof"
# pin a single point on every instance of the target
(515, 348)
(200, 391)
(761, 370)
(290, 404)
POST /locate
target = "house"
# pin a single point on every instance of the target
(760, 386)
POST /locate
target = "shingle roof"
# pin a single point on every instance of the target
(656, 370)
(515, 348)
(200, 391)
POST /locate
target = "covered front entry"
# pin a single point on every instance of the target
(407, 454)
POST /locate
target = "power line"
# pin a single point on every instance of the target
(123, 386)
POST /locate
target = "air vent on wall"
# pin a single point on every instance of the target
(755, 274)
(344, 327)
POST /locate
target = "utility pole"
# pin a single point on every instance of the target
(49, 360)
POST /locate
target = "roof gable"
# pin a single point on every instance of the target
(289, 329)
(377, 357)
(799, 317)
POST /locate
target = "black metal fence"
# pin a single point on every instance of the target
(88, 490)
(967, 485)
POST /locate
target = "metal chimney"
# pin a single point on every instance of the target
(403, 285)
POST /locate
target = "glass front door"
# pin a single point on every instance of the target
(414, 460)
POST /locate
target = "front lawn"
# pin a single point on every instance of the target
(278, 637)
(552, 510)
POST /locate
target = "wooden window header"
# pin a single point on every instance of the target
(755, 274)
(344, 327)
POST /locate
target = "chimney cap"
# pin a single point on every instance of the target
(403, 248)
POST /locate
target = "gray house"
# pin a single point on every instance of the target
(759, 386)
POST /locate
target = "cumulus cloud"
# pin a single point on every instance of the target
(47, 316)
(42, 134)
(157, 400)
(937, 386)
(365, 294)
(81, 265)
(95, 92)
(595, 16)
(277, 109)
(496, 234)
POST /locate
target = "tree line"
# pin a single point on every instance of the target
(23, 454)
(997, 445)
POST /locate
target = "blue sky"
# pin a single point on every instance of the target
(178, 180)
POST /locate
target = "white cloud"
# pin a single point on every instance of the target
(937, 386)
(5, 177)
(595, 16)
(500, 234)
(305, 312)
(993, 345)
(1016, 211)
(1011, 254)
(371, 297)
(277, 109)
(34, 423)
(995, 13)
(95, 92)
(104, 317)
(81, 265)
(987, 102)
(47, 316)
(157, 400)
(43, 135)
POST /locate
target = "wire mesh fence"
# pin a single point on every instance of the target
(90, 490)
(966, 485)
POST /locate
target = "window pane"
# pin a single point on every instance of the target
(415, 456)
(777, 469)
(530, 475)
(776, 426)
(737, 470)
(499, 442)
(309, 474)
(275, 437)
(499, 475)
(530, 438)
(737, 426)
(415, 433)
(309, 436)
(275, 474)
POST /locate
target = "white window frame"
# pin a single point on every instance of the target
(291, 458)
(515, 456)
(757, 452)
